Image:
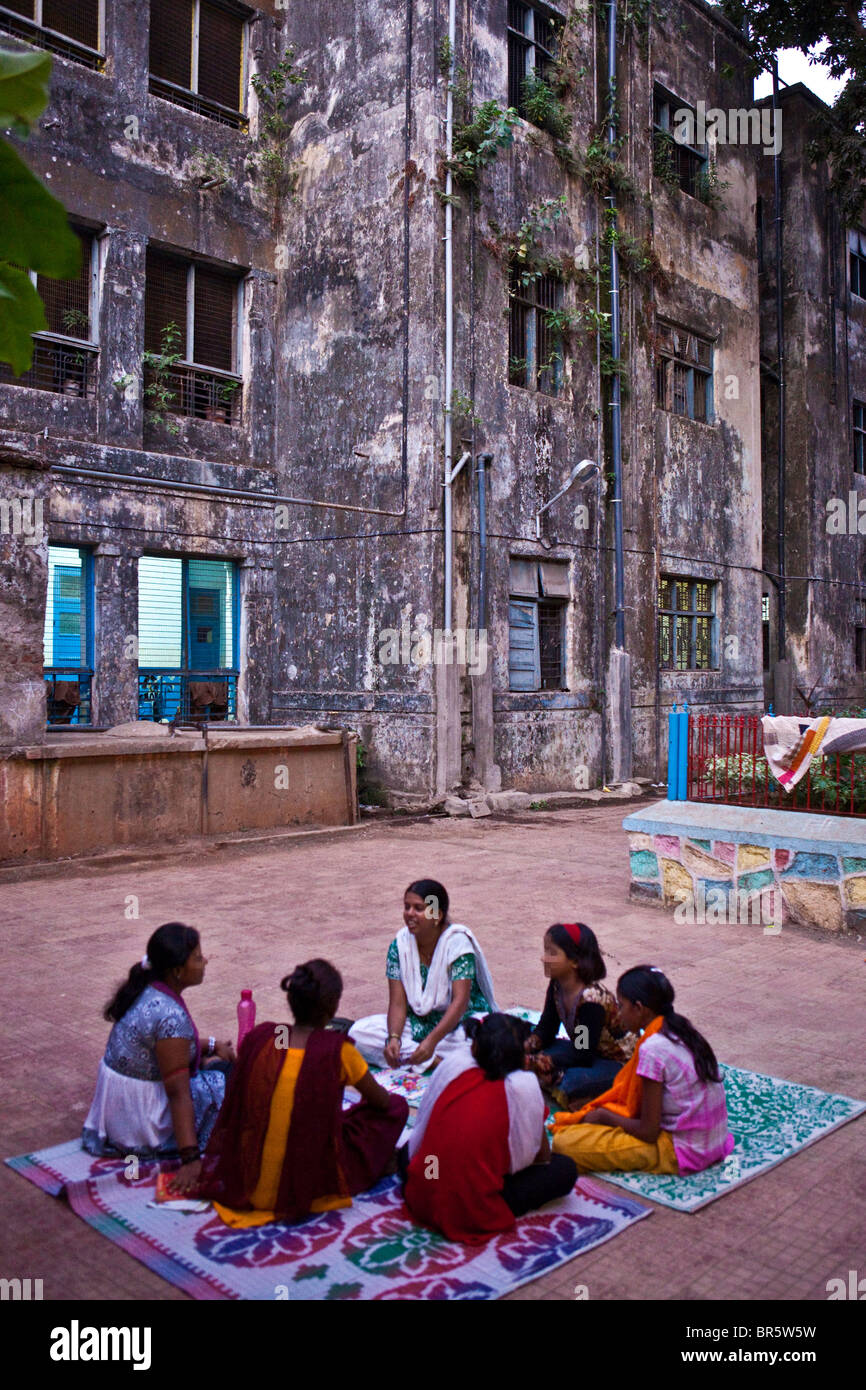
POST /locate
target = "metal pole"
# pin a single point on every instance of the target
(780, 351)
(616, 388)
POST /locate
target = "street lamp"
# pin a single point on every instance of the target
(581, 473)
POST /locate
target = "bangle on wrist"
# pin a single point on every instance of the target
(190, 1154)
(395, 1036)
(211, 1046)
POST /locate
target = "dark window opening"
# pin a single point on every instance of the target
(531, 48)
(535, 347)
(197, 55)
(684, 373)
(687, 624)
(860, 648)
(857, 262)
(65, 27)
(860, 436)
(65, 354)
(191, 312)
(676, 161)
(539, 593)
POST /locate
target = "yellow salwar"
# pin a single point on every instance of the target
(264, 1195)
(608, 1149)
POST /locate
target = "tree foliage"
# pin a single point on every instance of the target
(34, 231)
(840, 26)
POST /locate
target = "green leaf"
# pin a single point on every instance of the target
(34, 231)
(24, 79)
(21, 315)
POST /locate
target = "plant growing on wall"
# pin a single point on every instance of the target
(159, 392)
(477, 141)
(208, 170)
(275, 94)
(709, 188)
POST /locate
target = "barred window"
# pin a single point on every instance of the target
(857, 261)
(67, 27)
(197, 55)
(65, 353)
(676, 161)
(684, 373)
(68, 635)
(531, 48)
(191, 313)
(535, 349)
(860, 436)
(687, 624)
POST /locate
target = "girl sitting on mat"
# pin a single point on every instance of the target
(665, 1112)
(478, 1152)
(283, 1147)
(586, 1062)
(437, 977)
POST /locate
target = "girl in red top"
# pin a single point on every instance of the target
(478, 1154)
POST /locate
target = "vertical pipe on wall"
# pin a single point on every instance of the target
(616, 385)
(449, 309)
(780, 352)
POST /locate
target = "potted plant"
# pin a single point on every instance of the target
(76, 324)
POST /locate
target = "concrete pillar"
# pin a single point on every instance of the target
(619, 714)
(121, 335)
(783, 688)
(256, 656)
(486, 770)
(448, 751)
(23, 586)
(115, 636)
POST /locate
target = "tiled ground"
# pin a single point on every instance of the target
(791, 1005)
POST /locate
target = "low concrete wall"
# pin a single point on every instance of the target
(742, 864)
(89, 792)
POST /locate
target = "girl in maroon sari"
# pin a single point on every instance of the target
(283, 1148)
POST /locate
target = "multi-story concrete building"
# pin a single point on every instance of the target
(237, 422)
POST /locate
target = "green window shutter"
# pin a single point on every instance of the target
(524, 667)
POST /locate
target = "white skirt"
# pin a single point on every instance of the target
(371, 1034)
(129, 1114)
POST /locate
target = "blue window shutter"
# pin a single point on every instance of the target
(524, 666)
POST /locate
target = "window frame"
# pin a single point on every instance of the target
(156, 684)
(531, 605)
(858, 429)
(34, 32)
(857, 262)
(692, 614)
(668, 361)
(68, 348)
(189, 97)
(531, 47)
(524, 294)
(664, 104)
(84, 671)
(187, 363)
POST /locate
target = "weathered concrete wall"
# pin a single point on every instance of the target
(93, 792)
(23, 580)
(825, 368)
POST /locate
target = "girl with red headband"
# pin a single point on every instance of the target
(576, 1068)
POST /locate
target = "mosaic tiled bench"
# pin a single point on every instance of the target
(745, 864)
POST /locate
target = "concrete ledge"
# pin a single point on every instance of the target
(717, 863)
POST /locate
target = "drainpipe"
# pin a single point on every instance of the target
(484, 463)
(616, 390)
(780, 349)
(449, 310)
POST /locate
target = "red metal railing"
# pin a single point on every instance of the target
(727, 764)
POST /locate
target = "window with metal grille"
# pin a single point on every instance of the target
(191, 310)
(687, 624)
(67, 635)
(860, 649)
(860, 436)
(539, 593)
(535, 348)
(531, 48)
(675, 161)
(72, 28)
(857, 261)
(187, 637)
(65, 354)
(684, 373)
(197, 55)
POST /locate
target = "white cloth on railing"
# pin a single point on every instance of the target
(790, 743)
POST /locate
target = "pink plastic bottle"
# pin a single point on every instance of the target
(246, 1015)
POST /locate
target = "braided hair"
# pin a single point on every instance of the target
(645, 984)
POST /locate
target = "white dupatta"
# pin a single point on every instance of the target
(455, 941)
(525, 1107)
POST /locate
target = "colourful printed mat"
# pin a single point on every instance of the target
(370, 1251)
(769, 1119)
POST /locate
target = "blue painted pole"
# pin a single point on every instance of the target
(683, 755)
(673, 731)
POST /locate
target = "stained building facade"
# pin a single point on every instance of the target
(235, 425)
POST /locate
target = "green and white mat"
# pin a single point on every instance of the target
(770, 1120)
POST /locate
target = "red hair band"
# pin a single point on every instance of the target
(573, 929)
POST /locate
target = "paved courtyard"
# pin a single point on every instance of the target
(791, 1005)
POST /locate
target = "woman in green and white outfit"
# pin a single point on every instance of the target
(437, 977)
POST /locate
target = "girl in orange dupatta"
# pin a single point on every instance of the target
(665, 1112)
